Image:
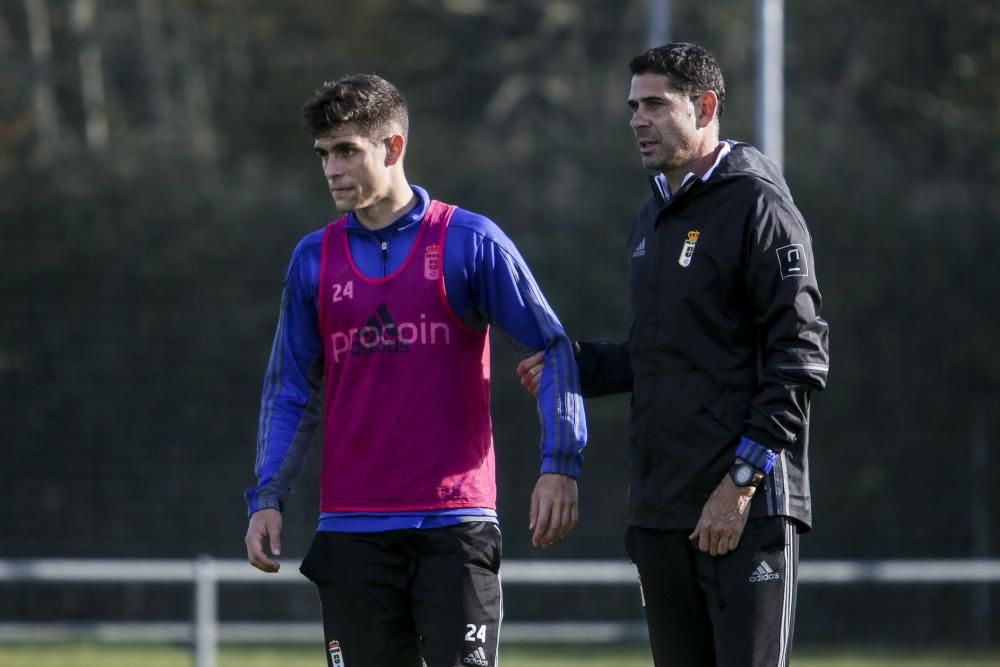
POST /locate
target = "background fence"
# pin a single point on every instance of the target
(206, 629)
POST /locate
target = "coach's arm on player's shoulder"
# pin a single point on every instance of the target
(605, 368)
(264, 531)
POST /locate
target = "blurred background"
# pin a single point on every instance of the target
(154, 179)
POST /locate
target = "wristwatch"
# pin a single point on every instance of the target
(743, 474)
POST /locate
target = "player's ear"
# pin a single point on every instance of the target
(394, 146)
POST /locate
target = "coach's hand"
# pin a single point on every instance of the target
(264, 525)
(530, 370)
(723, 518)
(554, 510)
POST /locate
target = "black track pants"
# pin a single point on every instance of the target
(736, 610)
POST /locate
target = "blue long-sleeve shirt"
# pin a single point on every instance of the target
(487, 282)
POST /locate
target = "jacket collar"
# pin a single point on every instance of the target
(414, 215)
(661, 189)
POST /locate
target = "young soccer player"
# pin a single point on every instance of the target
(383, 325)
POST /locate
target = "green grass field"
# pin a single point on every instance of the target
(114, 655)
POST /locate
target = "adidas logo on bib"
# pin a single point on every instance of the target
(763, 573)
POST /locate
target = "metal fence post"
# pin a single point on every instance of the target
(206, 613)
(771, 79)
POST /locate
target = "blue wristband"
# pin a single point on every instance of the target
(756, 454)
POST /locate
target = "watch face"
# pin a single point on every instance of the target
(744, 475)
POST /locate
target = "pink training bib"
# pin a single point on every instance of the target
(407, 405)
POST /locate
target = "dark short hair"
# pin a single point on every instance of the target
(691, 69)
(368, 101)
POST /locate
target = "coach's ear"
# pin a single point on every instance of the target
(394, 147)
(706, 108)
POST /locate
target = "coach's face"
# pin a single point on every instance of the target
(355, 167)
(664, 122)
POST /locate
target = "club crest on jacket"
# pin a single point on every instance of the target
(687, 251)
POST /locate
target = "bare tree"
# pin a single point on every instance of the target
(43, 96)
(197, 101)
(236, 15)
(156, 56)
(95, 112)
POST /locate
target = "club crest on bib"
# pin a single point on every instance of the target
(432, 262)
(687, 251)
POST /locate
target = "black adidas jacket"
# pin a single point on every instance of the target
(726, 341)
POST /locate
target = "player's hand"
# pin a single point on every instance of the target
(554, 511)
(530, 370)
(723, 518)
(265, 526)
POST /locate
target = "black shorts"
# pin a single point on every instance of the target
(736, 610)
(396, 597)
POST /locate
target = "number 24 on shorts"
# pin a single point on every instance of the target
(475, 633)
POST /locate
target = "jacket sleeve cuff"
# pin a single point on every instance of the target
(256, 502)
(756, 454)
(569, 465)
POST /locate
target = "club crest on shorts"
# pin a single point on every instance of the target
(687, 251)
(432, 262)
(336, 655)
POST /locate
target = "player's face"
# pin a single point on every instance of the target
(354, 166)
(664, 122)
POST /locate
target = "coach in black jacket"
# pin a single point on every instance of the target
(725, 349)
